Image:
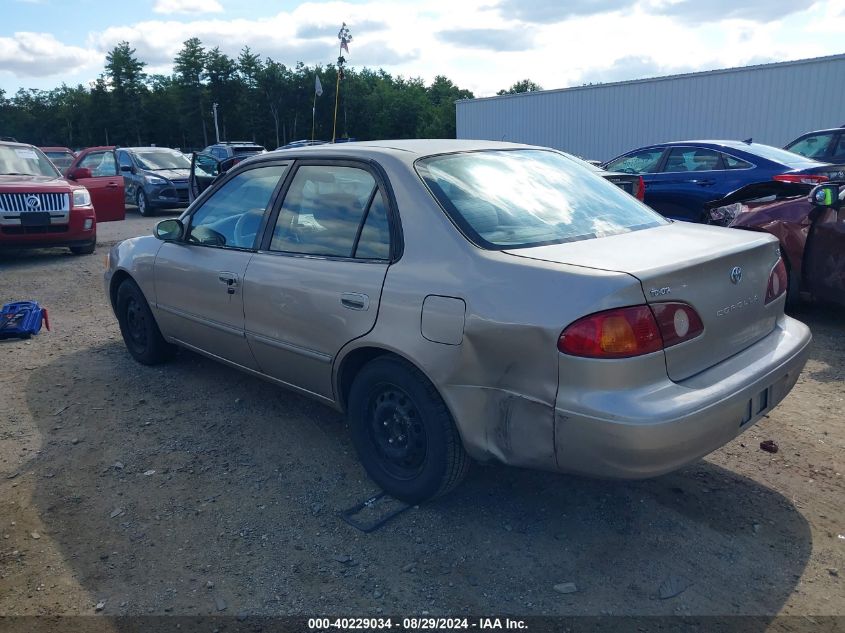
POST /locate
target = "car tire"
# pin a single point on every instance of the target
(404, 434)
(84, 250)
(143, 202)
(138, 326)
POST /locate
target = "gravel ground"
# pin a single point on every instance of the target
(193, 489)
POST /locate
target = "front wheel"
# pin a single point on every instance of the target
(143, 203)
(137, 325)
(403, 432)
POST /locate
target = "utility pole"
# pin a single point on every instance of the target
(216, 128)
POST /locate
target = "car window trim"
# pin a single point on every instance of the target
(200, 202)
(382, 185)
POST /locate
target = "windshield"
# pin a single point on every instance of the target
(520, 198)
(62, 160)
(26, 161)
(160, 159)
(776, 154)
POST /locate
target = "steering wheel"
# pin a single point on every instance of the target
(247, 227)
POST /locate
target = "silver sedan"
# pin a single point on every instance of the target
(462, 299)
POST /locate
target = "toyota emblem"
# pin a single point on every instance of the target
(736, 274)
(33, 203)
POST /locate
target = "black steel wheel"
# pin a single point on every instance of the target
(138, 326)
(403, 432)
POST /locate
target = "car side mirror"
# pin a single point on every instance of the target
(828, 196)
(227, 163)
(78, 173)
(170, 230)
(126, 168)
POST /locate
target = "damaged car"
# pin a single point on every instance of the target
(464, 300)
(811, 233)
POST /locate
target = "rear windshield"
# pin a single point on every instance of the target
(521, 198)
(25, 161)
(791, 159)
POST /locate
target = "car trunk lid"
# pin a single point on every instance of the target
(722, 273)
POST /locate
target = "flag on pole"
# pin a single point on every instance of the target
(318, 87)
(345, 37)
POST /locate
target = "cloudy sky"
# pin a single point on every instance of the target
(483, 45)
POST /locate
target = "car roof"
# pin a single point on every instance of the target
(147, 148)
(54, 148)
(406, 150)
(16, 144)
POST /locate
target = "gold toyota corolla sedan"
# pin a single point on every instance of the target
(468, 299)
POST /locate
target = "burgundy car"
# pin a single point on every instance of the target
(811, 232)
(62, 157)
(38, 207)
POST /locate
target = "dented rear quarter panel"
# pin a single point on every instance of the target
(500, 384)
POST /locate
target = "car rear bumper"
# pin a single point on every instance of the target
(70, 232)
(658, 428)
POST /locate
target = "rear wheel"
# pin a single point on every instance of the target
(137, 325)
(403, 433)
(143, 203)
(84, 250)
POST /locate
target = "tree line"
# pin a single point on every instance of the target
(261, 100)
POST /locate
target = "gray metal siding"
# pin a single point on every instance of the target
(772, 103)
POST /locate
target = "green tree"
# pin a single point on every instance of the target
(125, 74)
(524, 85)
(189, 66)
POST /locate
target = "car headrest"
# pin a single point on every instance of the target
(337, 207)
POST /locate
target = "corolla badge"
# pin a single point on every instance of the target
(736, 274)
(33, 203)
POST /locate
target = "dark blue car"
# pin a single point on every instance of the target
(681, 177)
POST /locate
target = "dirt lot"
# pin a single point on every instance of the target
(193, 489)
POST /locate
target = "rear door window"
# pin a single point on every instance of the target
(682, 159)
(332, 211)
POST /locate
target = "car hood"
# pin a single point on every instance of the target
(170, 174)
(21, 184)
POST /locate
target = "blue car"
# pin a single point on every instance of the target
(681, 177)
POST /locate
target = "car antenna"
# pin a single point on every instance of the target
(747, 141)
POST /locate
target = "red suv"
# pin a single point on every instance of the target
(38, 207)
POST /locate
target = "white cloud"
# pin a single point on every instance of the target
(187, 6)
(27, 54)
(478, 44)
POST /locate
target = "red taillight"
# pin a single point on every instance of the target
(777, 282)
(618, 333)
(631, 331)
(640, 195)
(809, 179)
(678, 322)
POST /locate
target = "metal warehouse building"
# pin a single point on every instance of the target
(773, 103)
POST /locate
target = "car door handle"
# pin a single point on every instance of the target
(112, 185)
(230, 279)
(355, 301)
(705, 182)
